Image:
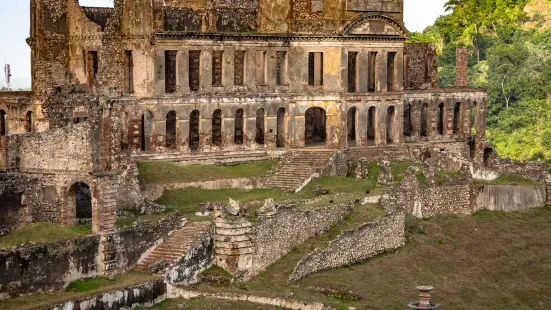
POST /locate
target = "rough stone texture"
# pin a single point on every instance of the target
(535, 170)
(510, 197)
(385, 172)
(461, 67)
(352, 246)
(197, 259)
(421, 65)
(141, 295)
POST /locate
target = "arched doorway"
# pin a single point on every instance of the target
(408, 125)
(171, 130)
(456, 118)
(390, 124)
(260, 126)
(29, 121)
(351, 127)
(440, 119)
(3, 123)
(217, 128)
(423, 120)
(281, 122)
(79, 199)
(239, 130)
(147, 130)
(315, 126)
(194, 118)
(371, 125)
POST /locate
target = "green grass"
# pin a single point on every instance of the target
(150, 217)
(446, 177)
(43, 233)
(210, 304)
(87, 285)
(399, 169)
(158, 172)
(508, 179)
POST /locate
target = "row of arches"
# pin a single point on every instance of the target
(372, 124)
(29, 122)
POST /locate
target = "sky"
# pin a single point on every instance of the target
(14, 22)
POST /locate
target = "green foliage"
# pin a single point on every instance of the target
(43, 233)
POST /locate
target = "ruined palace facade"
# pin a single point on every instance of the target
(174, 79)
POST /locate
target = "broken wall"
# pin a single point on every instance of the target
(420, 66)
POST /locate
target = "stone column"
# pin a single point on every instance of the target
(461, 67)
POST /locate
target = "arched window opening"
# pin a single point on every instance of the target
(194, 119)
(351, 126)
(315, 126)
(390, 124)
(217, 128)
(281, 123)
(260, 126)
(239, 128)
(29, 122)
(456, 118)
(440, 119)
(171, 130)
(147, 130)
(408, 125)
(424, 123)
(3, 123)
(488, 154)
(371, 125)
(80, 200)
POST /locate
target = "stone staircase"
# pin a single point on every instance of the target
(298, 167)
(176, 245)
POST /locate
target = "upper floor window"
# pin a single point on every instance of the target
(261, 68)
(372, 71)
(315, 69)
(170, 71)
(194, 70)
(352, 72)
(92, 66)
(281, 68)
(129, 72)
(217, 68)
(239, 68)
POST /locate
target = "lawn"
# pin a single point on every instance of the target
(159, 172)
(43, 233)
(489, 260)
(209, 304)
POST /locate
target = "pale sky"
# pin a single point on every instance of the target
(14, 25)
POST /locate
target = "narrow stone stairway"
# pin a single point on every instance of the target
(298, 167)
(176, 245)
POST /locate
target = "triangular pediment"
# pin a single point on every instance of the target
(375, 25)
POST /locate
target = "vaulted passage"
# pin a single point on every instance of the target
(29, 121)
(217, 128)
(390, 125)
(440, 119)
(281, 121)
(3, 123)
(315, 123)
(371, 125)
(194, 130)
(147, 130)
(424, 123)
(171, 130)
(238, 132)
(408, 125)
(260, 126)
(79, 199)
(456, 118)
(351, 126)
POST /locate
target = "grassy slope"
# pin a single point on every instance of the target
(153, 172)
(508, 179)
(43, 233)
(210, 304)
(490, 260)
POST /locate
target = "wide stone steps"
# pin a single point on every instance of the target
(176, 245)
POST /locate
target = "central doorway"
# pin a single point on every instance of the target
(315, 127)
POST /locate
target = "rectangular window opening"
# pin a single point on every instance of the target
(261, 68)
(281, 68)
(129, 72)
(170, 71)
(92, 66)
(352, 72)
(391, 71)
(194, 70)
(239, 68)
(315, 69)
(217, 68)
(373, 69)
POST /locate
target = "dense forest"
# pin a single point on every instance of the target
(509, 43)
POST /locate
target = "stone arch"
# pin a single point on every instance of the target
(423, 120)
(171, 120)
(361, 24)
(440, 112)
(217, 128)
(315, 126)
(457, 118)
(29, 127)
(390, 124)
(147, 130)
(281, 127)
(3, 123)
(239, 125)
(372, 116)
(79, 200)
(260, 126)
(194, 130)
(351, 126)
(408, 124)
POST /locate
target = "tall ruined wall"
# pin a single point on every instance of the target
(510, 197)
(420, 66)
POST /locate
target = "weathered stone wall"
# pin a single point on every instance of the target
(197, 259)
(420, 66)
(535, 170)
(141, 295)
(385, 234)
(16, 105)
(430, 201)
(509, 197)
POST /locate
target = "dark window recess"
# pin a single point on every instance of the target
(424, 123)
(315, 69)
(391, 71)
(373, 68)
(217, 68)
(391, 113)
(29, 122)
(407, 120)
(315, 126)
(194, 70)
(129, 72)
(92, 66)
(239, 68)
(260, 126)
(171, 130)
(217, 128)
(456, 118)
(170, 71)
(371, 125)
(238, 134)
(3, 123)
(352, 71)
(281, 68)
(194, 130)
(440, 120)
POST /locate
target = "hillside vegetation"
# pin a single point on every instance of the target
(509, 43)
